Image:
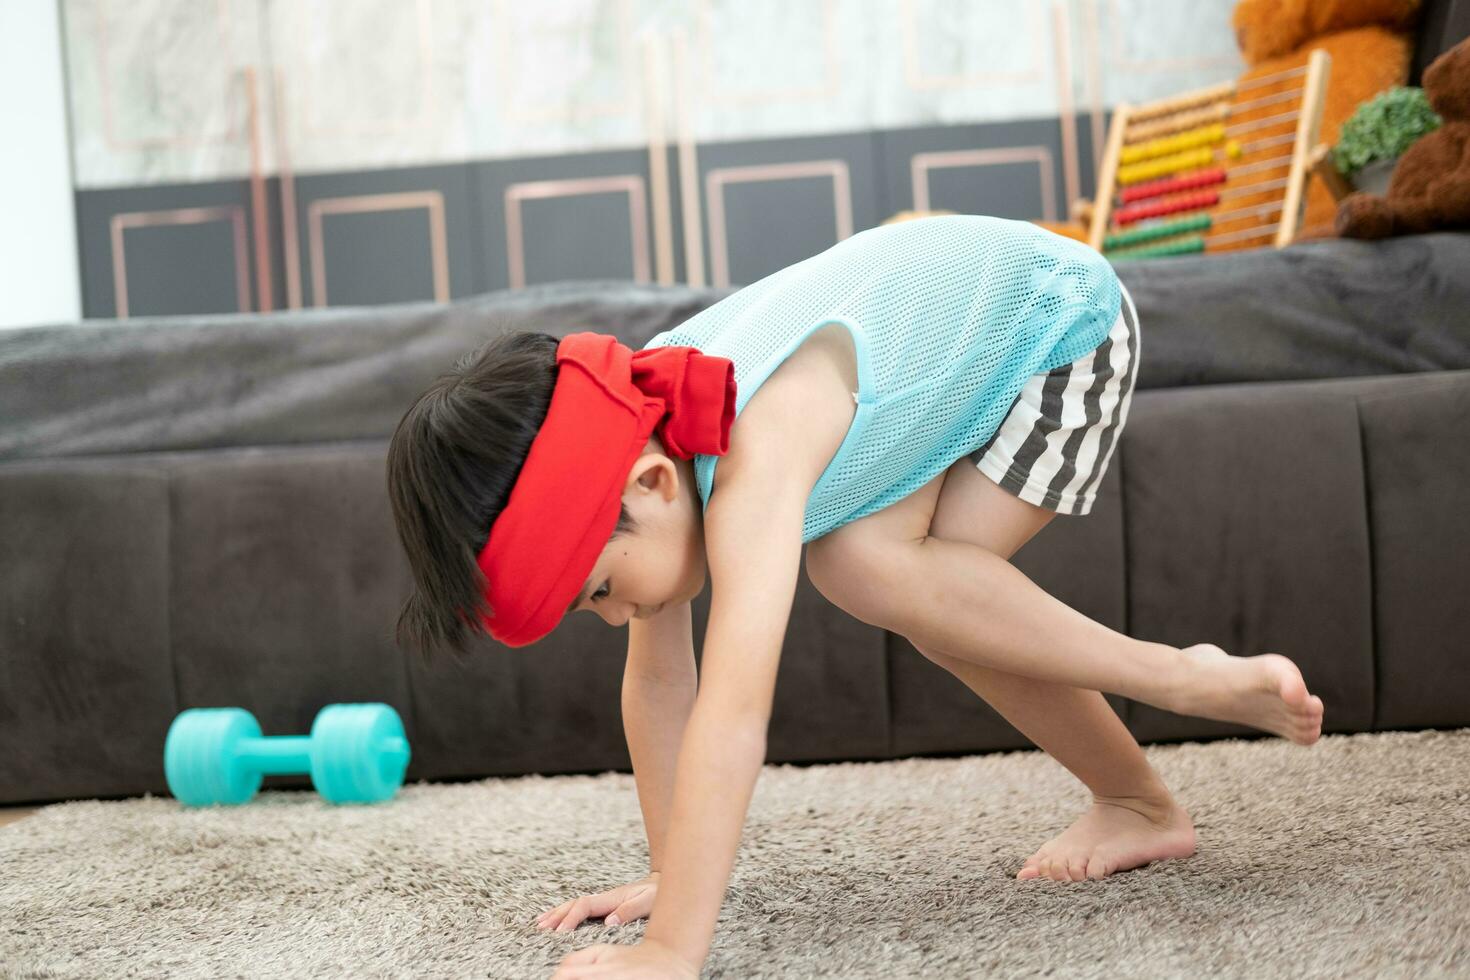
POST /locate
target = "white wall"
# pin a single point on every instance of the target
(158, 93)
(39, 280)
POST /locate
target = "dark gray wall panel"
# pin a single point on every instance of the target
(770, 224)
(178, 269)
(171, 269)
(774, 224)
(1006, 189)
(368, 260)
(581, 232)
(585, 237)
(385, 254)
(587, 234)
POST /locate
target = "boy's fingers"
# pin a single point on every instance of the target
(635, 906)
(586, 905)
(553, 917)
(555, 913)
(603, 903)
(575, 915)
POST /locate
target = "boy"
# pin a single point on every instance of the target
(912, 404)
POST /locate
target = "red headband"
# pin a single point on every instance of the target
(565, 502)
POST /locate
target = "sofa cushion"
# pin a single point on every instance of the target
(1323, 309)
(1318, 519)
(1247, 527)
(285, 579)
(292, 377)
(86, 676)
(1416, 446)
(1331, 308)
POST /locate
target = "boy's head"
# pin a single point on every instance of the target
(660, 559)
(452, 463)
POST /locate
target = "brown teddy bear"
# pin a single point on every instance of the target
(1430, 187)
(1370, 44)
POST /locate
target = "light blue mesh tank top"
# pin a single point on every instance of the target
(949, 317)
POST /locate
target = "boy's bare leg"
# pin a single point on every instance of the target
(972, 604)
(1133, 819)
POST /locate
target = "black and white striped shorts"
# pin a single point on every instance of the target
(1055, 444)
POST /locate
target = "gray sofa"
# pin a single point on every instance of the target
(193, 512)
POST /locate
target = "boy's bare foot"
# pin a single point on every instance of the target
(1265, 692)
(1113, 835)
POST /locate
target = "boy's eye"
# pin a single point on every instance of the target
(602, 593)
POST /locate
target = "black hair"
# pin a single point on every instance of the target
(452, 462)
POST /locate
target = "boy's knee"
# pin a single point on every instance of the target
(863, 578)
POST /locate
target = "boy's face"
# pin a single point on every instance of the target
(661, 562)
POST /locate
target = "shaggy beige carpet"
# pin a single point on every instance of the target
(1347, 859)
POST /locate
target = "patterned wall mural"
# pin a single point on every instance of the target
(278, 136)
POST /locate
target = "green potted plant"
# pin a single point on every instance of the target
(1377, 134)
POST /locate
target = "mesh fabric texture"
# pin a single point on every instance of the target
(949, 317)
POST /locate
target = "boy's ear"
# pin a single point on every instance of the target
(656, 472)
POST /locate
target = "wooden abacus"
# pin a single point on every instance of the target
(1203, 171)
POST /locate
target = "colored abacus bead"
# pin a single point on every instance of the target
(1134, 173)
(1165, 145)
(1169, 185)
(1150, 233)
(1180, 246)
(1173, 205)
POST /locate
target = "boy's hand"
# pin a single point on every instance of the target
(649, 960)
(622, 904)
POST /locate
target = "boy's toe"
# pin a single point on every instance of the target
(1097, 868)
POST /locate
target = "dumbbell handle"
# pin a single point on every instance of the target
(274, 755)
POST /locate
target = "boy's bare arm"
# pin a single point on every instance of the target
(753, 543)
(659, 684)
(661, 647)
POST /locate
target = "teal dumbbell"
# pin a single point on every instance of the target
(356, 753)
